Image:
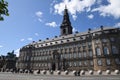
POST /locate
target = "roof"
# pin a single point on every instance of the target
(69, 38)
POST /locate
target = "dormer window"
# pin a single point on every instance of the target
(56, 42)
(51, 43)
(67, 40)
(61, 41)
(74, 39)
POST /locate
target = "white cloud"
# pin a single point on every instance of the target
(1, 46)
(22, 40)
(39, 14)
(30, 39)
(117, 25)
(74, 29)
(91, 16)
(17, 52)
(36, 34)
(51, 24)
(74, 17)
(112, 9)
(74, 6)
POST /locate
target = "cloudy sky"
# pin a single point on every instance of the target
(33, 20)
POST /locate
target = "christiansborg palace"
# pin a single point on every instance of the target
(91, 50)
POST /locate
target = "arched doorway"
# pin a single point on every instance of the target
(55, 65)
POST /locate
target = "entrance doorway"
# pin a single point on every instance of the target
(53, 66)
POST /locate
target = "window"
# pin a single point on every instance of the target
(90, 53)
(112, 39)
(91, 62)
(85, 63)
(117, 60)
(75, 55)
(89, 45)
(99, 61)
(108, 61)
(83, 44)
(79, 55)
(70, 55)
(75, 64)
(106, 50)
(114, 50)
(96, 41)
(70, 64)
(98, 52)
(84, 54)
(79, 63)
(64, 31)
(104, 40)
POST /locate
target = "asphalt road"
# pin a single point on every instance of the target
(10, 76)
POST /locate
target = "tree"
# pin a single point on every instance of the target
(3, 9)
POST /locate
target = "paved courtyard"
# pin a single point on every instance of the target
(10, 76)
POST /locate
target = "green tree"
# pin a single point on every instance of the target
(3, 9)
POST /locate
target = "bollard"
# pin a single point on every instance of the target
(99, 72)
(91, 72)
(74, 73)
(108, 71)
(66, 72)
(44, 71)
(82, 72)
(117, 71)
(58, 72)
(51, 72)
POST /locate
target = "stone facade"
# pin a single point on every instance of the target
(91, 50)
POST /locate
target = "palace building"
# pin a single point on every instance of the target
(91, 50)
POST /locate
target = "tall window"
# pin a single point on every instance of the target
(90, 53)
(112, 39)
(117, 60)
(75, 64)
(114, 50)
(64, 31)
(99, 61)
(91, 62)
(79, 55)
(75, 55)
(85, 63)
(108, 61)
(84, 54)
(106, 51)
(96, 41)
(104, 40)
(70, 64)
(79, 63)
(98, 52)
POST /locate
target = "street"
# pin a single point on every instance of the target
(14, 76)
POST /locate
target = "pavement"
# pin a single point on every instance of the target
(16, 76)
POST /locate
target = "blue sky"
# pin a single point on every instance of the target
(32, 20)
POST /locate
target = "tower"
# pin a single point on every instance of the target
(66, 27)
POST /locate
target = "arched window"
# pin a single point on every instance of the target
(106, 51)
(98, 52)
